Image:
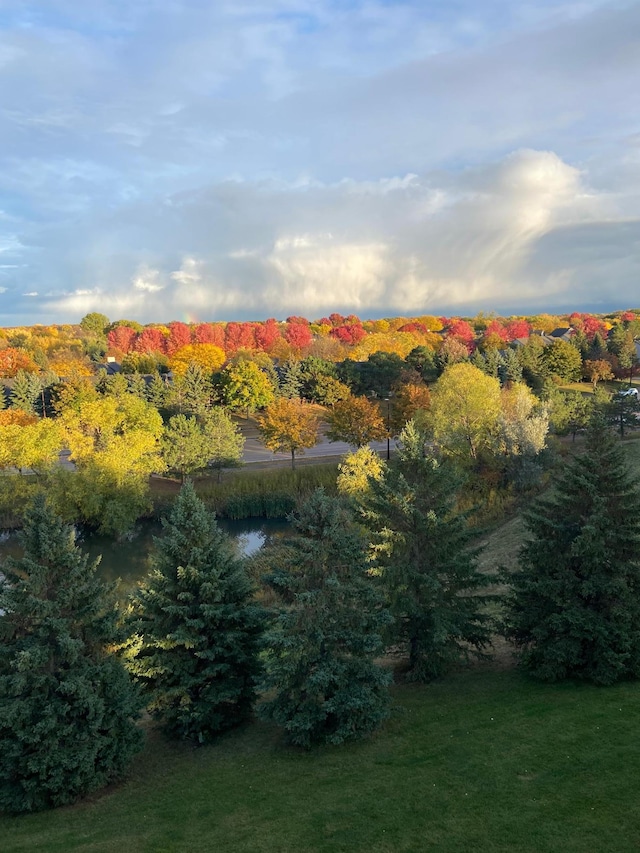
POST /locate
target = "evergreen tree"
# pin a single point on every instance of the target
(327, 687)
(67, 706)
(421, 546)
(510, 369)
(157, 392)
(575, 607)
(184, 445)
(197, 629)
(622, 411)
(291, 380)
(25, 390)
(137, 385)
(196, 390)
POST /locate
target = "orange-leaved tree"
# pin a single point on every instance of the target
(288, 426)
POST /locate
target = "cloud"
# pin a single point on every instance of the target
(260, 157)
(524, 232)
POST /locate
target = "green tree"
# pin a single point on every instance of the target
(25, 390)
(563, 360)
(198, 631)
(423, 360)
(569, 411)
(357, 421)
(225, 442)
(421, 548)
(575, 607)
(622, 410)
(465, 407)
(509, 369)
(95, 324)
(288, 426)
(291, 380)
(245, 387)
(327, 687)
(183, 445)
(67, 725)
(196, 390)
(157, 392)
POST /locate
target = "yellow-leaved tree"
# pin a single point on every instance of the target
(208, 356)
(114, 443)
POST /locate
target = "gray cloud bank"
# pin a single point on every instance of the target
(253, 159)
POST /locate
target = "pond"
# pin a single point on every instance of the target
(129, 559)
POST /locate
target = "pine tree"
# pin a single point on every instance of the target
(510, 369)
(197, 390)
(328, 633)
(421, 546)
(157, 392)
(291, 380)
(198, 630)
(25, 391)
(67, 706)
(575, 608)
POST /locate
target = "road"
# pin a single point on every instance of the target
(255, 451)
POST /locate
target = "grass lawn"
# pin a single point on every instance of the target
(485, 761)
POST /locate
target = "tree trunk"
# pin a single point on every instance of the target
(293, 459)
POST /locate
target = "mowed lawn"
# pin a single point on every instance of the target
(484, 761)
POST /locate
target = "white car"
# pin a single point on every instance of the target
(628, 392)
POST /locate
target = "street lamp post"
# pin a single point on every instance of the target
(388, 401)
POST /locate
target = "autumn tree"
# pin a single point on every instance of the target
(208, 357)
(356, 471)
(114, 442)
(197, 627)
(68, 707)
(356, 421)
(421, 548)
(13, 359)
(597, 371)
(288, 426)
(575, 608)
(465, 406)
(323, 682)
(410, 401)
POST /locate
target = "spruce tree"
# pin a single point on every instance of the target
(327, 687)
(67, 705)
(575, 607)
(421, 547)
(25, 391)
(197, 627)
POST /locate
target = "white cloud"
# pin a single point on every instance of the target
(523, 231)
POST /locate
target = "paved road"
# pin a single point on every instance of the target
(255, 451)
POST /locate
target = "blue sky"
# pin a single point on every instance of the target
(170, 159)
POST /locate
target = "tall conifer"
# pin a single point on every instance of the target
(575, 610)
(327, 687)
(67, 705)
(421, 546)
(198, 629)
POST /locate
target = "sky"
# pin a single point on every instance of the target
(243, 159)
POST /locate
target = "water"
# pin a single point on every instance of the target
(128, 560)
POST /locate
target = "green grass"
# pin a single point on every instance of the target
(485, 761)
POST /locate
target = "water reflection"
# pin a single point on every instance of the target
(128, 560)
